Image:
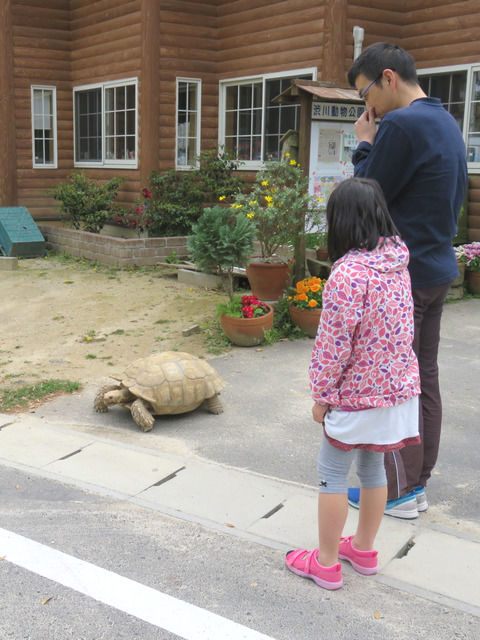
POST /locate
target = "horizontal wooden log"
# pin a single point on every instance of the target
(262, 20)
(103, 73)
(88, 15)
(425, 11)
(171, 17)
(283, 60)
(445, 55)
(262, 50)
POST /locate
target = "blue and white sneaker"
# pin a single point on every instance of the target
(421, 496)
(404, 507)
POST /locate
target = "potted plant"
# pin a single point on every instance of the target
(305, 304)
(221, 240)
(470, 255)
(281, 210)
(245, 319)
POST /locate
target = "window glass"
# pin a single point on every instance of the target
(451, 89)
(254, 125)
(188, 123)
(43, 127)
(116, 106)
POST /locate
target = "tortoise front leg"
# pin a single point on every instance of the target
(99, 403)
(142, 415)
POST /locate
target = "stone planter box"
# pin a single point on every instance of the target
(111, 251)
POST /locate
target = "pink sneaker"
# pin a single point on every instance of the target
(304, 563)
(365, 562)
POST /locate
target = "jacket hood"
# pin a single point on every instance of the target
(390, 255)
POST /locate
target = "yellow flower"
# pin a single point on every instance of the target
(239, 206)
(250, 215)
(319, 199)
(253, 202)
(268, 198)
(312, 303)
(222, 197)
(287, 155)
(265, 183)
(270, 204)
(293, 162)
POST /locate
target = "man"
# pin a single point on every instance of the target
(418, 156)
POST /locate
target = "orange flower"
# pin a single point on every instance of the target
(312, 303)
(315, 287)
(300, 296)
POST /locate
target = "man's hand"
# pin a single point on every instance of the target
(365, 126)
(319, 411)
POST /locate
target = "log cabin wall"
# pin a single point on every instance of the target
(41, 54)
(187, 48)
(106, 42)
(259, 37)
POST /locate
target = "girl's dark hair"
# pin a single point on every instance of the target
(357, 217)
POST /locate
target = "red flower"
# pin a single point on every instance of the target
(139, 210)
(146, 193)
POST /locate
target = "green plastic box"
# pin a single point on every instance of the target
(19, 235)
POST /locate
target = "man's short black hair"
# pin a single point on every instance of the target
(383, 55)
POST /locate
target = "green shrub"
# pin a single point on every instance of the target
(221, 239)
(179, 196)
(176, 203)
(87, 203)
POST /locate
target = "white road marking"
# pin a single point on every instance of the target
(185, 620)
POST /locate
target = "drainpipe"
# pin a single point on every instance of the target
(358, 33)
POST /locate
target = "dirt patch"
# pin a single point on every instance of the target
(70, 320)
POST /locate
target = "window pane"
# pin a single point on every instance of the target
(256, 147)
(110, 144)
(245, 122)
(120, 151)
(109, 100)
(120, 123)
(459, 82)
(110, 123)
(192, 96)
(257, 95)
(88, 125)
(458, 111)
(191, 151)
(131, 147)
(131, 122)
(231, 145)
(131, 97)
(49, 151)
(232, 98)
(193, 124)
(476, 86)
(271, 147)
(272, 90)
(119, 98)
(244, 148)
(287, 118)
(182, 96)
(231, 123)
(440, 87)
(245, 96)
(257, 122)
(39, 157)
(272, 120)
(475, 117)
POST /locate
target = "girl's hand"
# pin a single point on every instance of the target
(319, 411)
(365, 126)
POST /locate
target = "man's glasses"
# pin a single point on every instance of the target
(363, 93)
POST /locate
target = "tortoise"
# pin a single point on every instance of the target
(164, 383)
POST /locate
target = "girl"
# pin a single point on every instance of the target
(363, 376)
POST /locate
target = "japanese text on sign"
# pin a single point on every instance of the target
(336, 111)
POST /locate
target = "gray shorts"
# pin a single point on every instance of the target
(334, 465)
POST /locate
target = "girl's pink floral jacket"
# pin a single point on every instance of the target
(363, 356)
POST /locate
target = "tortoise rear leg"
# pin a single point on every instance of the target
(142, 415)
(99, 403)
(214, 404)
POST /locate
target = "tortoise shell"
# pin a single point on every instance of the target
(172, 381)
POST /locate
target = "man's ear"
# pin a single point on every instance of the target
(390, 78)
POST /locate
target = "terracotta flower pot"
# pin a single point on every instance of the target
(473, 282)
(247, 332)
(268, 280)
(306, 319)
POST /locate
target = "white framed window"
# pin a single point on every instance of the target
(105, 124)
(44, 126)
(250, 124)
(188, 115)
(458, 87)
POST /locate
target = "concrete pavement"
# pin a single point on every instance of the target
(250, 472)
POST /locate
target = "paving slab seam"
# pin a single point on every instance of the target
(432, 596)
(246, 535)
